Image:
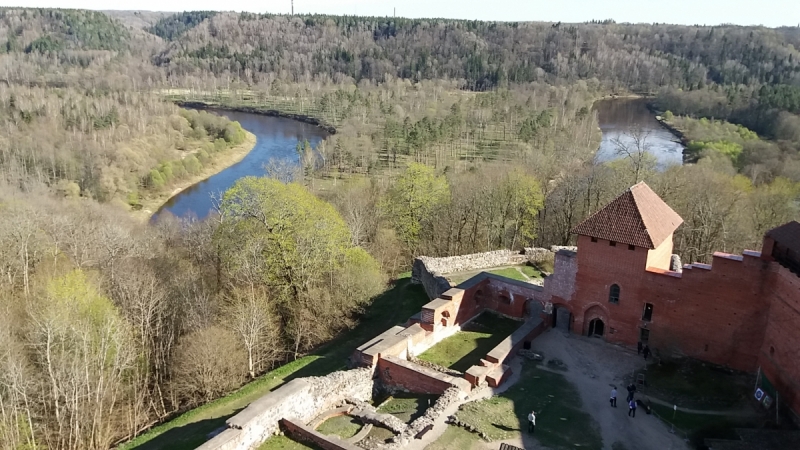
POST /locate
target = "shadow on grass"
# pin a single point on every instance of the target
(187, 437)
(477, 338)
(393, 307)
(560, 422)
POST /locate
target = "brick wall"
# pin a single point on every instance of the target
(303, 433)
(415, 378)
(715, 313)
(779, 357)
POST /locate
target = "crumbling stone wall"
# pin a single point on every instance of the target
(430, 271)
(301, 399)
(560, 286)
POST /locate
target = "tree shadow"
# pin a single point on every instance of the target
(392, 307)
(188, 436)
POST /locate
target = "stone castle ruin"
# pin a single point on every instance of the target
(621, 283)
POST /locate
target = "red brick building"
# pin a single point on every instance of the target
(741, 311)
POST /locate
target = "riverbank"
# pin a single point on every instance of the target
(153, 201)
(260, 111)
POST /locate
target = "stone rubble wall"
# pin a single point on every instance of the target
(430, 271)
(425, 423)
(304, 433)
(300, 399)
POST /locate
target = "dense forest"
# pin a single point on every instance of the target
(451, 137)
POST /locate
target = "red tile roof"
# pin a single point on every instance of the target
(637, 217)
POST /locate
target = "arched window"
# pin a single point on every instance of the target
(613, 294)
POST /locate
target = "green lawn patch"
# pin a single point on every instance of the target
(407, 407)
(531, 272)
(695, 385)
(560, 423)
(697, 427)
(189, 430)
(340, 426)
(465, 349)
(456, 438)
(284, 443)
(510, 272)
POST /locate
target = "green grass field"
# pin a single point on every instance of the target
(190, 429)
(408, 407)
(697, 427)
(340, 426)
(695, 385)
(284, 443)
(560, 423)
(465, 349)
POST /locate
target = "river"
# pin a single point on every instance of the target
(276, 137)
(618, 116)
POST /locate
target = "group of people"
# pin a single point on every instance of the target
(630, 399)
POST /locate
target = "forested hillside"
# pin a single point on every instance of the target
(451, 137)
(483, 54)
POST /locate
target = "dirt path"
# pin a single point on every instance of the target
(593, 367)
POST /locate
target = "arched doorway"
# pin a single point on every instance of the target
(596, 327)
(562, 318)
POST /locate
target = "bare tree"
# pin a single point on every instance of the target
(633, 146)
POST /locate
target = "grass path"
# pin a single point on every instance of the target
(190, 429)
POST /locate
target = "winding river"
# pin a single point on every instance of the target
(618, 116)
(277, 138)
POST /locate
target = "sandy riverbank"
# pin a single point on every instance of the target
(217, 164)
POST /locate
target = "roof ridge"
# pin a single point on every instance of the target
(639, 212)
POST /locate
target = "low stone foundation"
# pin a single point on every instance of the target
(303, 433)
(301, 399)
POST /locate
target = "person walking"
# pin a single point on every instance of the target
(531, 422)
(632, 408)
(646, 351)
(639, 348)
(614, 397)
(631, 389)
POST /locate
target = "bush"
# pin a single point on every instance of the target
(192, 165)
(155, 179)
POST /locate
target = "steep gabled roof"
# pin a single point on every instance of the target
(787, 235)
(638, 217)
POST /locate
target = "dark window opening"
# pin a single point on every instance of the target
(648, 312)
(631, 247)
(706, 347)
(771, 350)
(505, 299)
(612, 243)
(594, 239)
(613, 294)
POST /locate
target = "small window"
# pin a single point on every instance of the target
(594, 239)
(612, 243)
(613, 294)
(631, 247)
(648, 312)
(771, 351)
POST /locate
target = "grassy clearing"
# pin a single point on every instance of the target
(342, 426)
(522, 273)
(407, 407)
(284, 443)
(190, 429)
(510, 272)
(559, 421)
(456, 438)
(695, 385)
(698, 427)
(465, 349)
